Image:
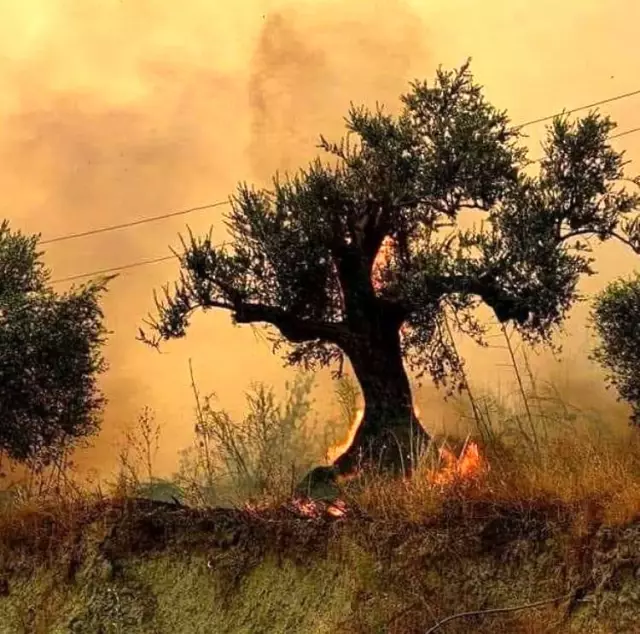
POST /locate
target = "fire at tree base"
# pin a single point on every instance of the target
(390, 450)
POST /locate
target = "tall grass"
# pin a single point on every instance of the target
(544, 449)
(539, 445)
(263, 455)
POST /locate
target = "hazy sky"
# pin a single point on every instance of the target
(114, 110)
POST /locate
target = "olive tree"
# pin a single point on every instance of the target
(446, 186)
(615, 318)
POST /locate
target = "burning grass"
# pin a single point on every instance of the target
(577, 470)
(596, 477)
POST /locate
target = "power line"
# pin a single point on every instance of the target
(183, 212)
(616, 136)
(613, 136)
(171, 257)
(113, 269)
(133, 223)
(590, 105)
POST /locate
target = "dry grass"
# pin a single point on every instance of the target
(406, 552)
(575, 468)
(558, 457)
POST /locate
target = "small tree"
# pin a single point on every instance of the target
(616, 320)
(303, 253)
(50, 356)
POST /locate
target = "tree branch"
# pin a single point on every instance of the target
(295, 329)
(505, 306)
(633, 244)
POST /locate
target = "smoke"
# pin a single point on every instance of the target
(309, 66)
(115, 110)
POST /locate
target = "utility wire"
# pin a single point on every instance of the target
(133, 223)
(183, 212)
(613, 136)
(616, 136)
(226, 202)
(113, 269)
(590, 105)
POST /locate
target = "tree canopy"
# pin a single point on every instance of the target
(408, 179)
(50, 356)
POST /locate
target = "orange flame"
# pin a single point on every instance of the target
(466, 467)
(380, 264)
(337, 450)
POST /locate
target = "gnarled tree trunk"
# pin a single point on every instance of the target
(389, 434)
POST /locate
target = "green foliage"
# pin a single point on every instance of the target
(303, 253)
(262, 455)
(616, 319)
(160, 490)
(50, 356)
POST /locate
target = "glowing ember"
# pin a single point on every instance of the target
(313, 509)
(256, 507)
(380, 266)
(307, 508)
(337, 509)
(466, 467)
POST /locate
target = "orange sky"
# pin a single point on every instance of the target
(114, 110)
